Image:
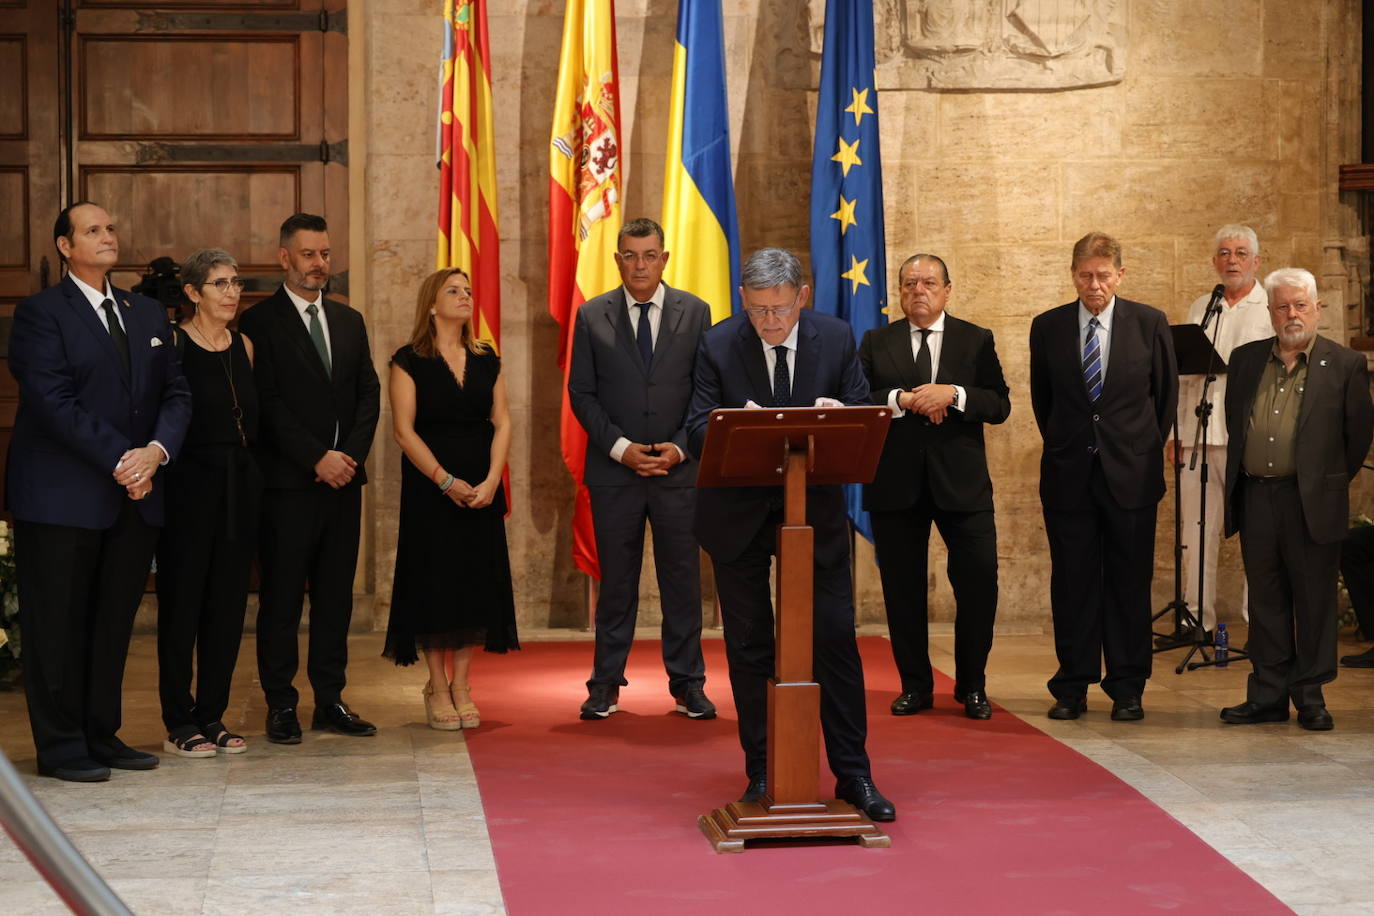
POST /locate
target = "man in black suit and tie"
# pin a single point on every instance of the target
(102, 406)
(1104, 385)
(319, 398)
(779, 354)
(942, 379)
(629, 385)
(1299, 421)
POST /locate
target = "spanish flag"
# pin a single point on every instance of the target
(584, 211)
(699, 216)
(467, 163)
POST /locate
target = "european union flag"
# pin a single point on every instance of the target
(847, 241)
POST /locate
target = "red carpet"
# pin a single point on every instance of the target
(992, 817)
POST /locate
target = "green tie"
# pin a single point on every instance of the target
(317, 335)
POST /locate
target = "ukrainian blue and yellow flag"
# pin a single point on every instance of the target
(847, 242)
(699, 215)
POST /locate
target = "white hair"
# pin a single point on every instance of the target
(1292, 278)
(1237, 231)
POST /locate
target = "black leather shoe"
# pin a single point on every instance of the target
(337, 717)
(860, 792)
(81, 769)
(1315, 718)
(693, 703)
(1362, 660)
(282, 726)
(1248, 713)
(758, 788)
(1068, 709)
(976, 705)
(120, 756)
(1127, 709)
(908, 704)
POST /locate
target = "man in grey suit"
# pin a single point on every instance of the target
(1299, 421)
(634, 350)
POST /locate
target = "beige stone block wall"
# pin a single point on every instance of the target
(1234, 112)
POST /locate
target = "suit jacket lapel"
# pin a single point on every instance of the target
(85, 314)
(749, 352)
(951, 351)
(804, 367)
(1119, 343)
(139, 337)
(897, 346)
(340, 347)
(1318, 368)
(668, 323)
(1248, 377)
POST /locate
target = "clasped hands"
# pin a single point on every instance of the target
(464, 494)
(930, 401)
(335, 469)
(650, 460)
(135, 469)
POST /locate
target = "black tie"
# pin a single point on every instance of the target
(923, 373)
(645, 335)
(782, 380)
(121, 340)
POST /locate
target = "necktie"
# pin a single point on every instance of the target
(121, 340)
(923, 370)
(317, 335)
(645, 335)
(782, 380)
(1092, 361)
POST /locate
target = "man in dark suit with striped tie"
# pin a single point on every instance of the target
(1104, 386)
(629, 385)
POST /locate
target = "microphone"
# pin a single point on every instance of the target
(1214, 306)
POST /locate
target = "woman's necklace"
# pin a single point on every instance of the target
(206, 340)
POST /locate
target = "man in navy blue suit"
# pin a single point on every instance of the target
(781, 354)
(102, 406)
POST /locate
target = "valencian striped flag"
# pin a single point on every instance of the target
(584, 210)
(698, 193)
(467, 163)
(847, 254)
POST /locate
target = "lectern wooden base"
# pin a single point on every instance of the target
(728, 828)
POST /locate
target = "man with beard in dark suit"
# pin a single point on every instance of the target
(781, 354)
(102, 406)
(629, 385)
(319, 399)
(1104, 385)
(943, 381)
(1299, 420)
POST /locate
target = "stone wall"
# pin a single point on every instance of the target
(1234, 112)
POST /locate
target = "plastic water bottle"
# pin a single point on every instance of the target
(1221, 643)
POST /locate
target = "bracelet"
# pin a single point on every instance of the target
(446, 485)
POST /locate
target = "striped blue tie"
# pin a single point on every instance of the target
(1092, 361)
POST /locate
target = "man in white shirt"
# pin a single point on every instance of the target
(1243, 317)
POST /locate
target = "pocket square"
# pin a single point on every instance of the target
(155, 342)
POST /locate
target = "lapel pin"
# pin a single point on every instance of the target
(126, 302)
(1321, 362)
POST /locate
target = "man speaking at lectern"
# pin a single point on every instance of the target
(781, 354)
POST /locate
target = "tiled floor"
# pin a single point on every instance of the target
(393, 824)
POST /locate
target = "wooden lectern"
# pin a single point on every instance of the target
(792, 447)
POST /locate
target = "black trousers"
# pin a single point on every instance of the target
(307, 537)
(901, 540)
(79, 590)
(618, 517)
(1357, 568)
(1292, 581)
(1102, 559)
(204, 557)
(746, 608)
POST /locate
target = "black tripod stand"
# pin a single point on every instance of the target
(1193, 347)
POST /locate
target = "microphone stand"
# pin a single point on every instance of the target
(1179, 605)
(1201, 638)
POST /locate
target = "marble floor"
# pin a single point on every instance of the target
(394, 824)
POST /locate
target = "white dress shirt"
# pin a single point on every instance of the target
(1237, 324)
(1104, 333)
(934, 341)
(632, 307)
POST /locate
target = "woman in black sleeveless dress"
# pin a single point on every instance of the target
(207, 543)
(452, 589)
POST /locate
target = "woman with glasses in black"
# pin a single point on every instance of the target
(210, 536)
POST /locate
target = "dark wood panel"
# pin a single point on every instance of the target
(14, 226)
(14, 99)
(174, 210)
(182, 87)
(225, 6)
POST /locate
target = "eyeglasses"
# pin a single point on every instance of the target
(781, 311)
(223, 284)
(648, 257)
